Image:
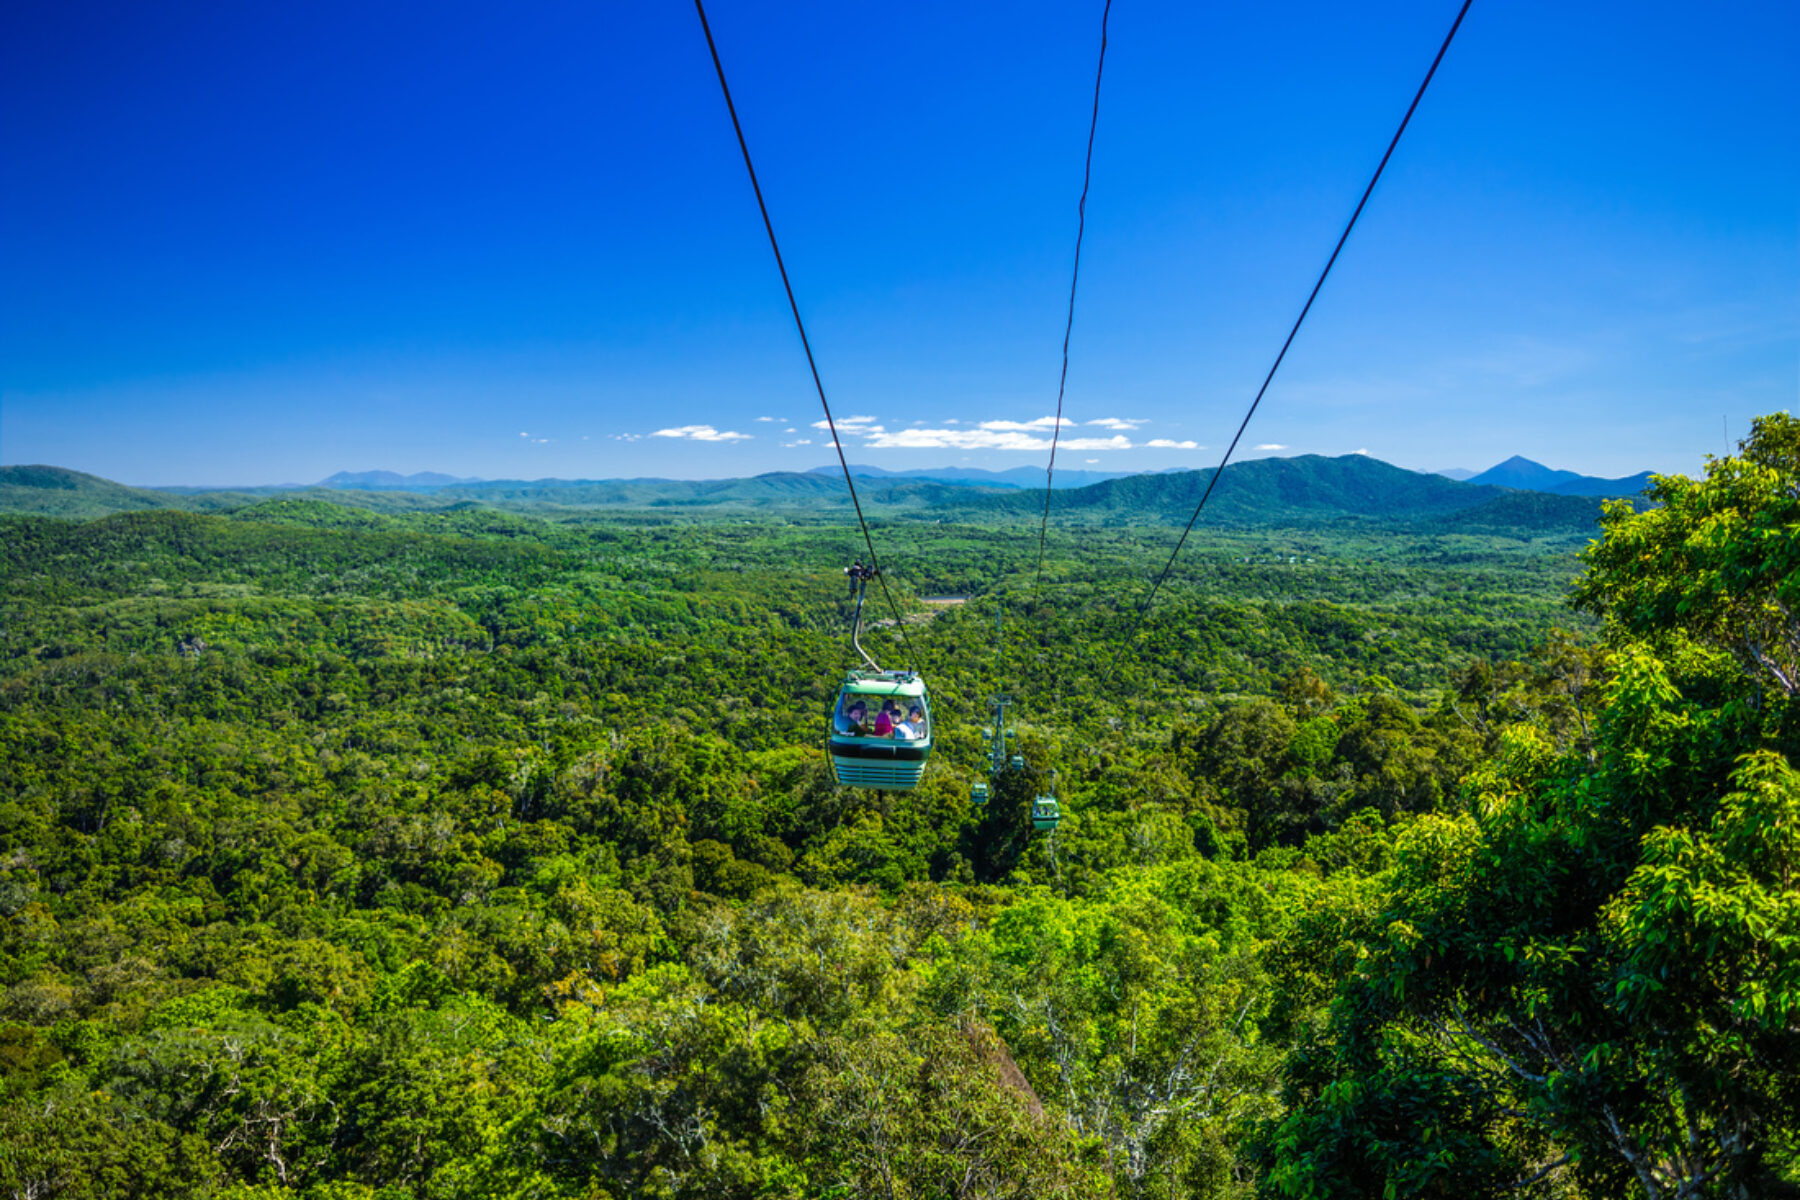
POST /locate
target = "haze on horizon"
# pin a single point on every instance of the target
(260, 246)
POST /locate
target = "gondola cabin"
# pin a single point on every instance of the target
(881, 731)
(1045, 814)
(978, 793)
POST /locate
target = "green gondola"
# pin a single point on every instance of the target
(1046, 812)
(881, 726)
(890, 756)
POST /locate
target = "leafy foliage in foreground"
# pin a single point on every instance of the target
(1589, 978)
(465, 853)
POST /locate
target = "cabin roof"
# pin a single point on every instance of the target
(884, 683)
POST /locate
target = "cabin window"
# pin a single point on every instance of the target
(861, 714)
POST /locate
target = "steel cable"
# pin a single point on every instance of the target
(805, 343)
(1298, 321)
(1087, 172)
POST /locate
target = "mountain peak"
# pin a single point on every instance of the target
(1522, 473)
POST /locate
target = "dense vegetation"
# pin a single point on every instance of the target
(362, 853)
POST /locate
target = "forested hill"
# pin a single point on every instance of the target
(60, 492)
(1309, 489)
(1280, 491)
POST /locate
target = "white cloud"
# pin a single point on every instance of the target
(701, 433)
(1171, 444)
(790, 429)
(1092, 460)
(796, 442)
(522, 433)
(1364, 450)
(1272, 446)
(626, 437)
(1032, 435)
(774, 420)
(1093, 443)
(1024, 426)
(853, 425)
(984, 439)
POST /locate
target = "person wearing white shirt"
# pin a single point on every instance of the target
(912, 728)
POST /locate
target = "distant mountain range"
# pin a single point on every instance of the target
(1310, 489)
(1305, 490)
(1515, 472)
(383, 480)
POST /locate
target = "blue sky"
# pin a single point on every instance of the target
(258, 243)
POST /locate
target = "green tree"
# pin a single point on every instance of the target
(1590, 978)
(1718, 558)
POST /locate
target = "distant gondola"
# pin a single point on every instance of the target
(1046, 812)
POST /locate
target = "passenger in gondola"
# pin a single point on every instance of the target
(912, 728)
(884, 723)
(853, 718)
